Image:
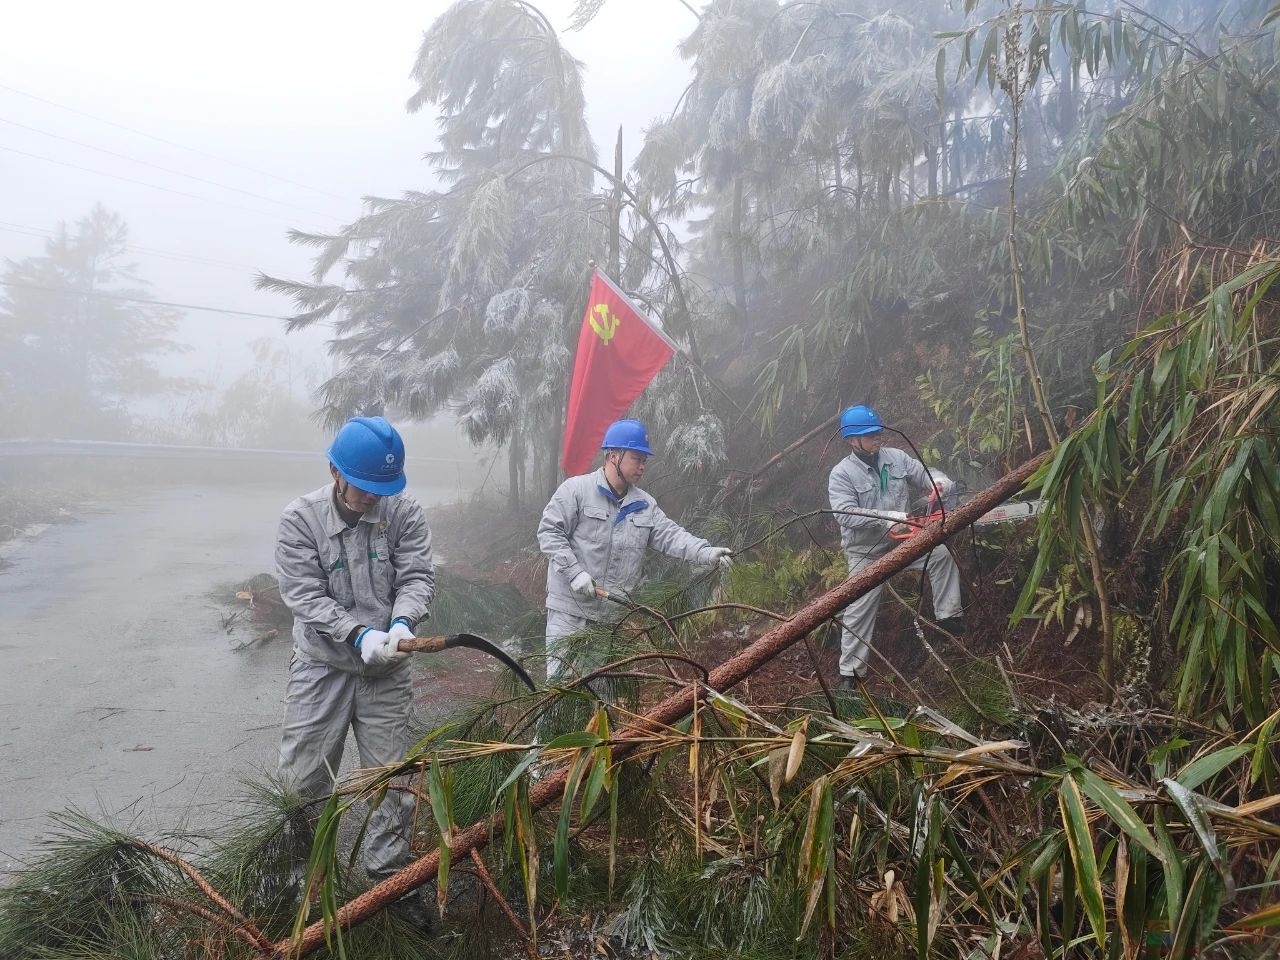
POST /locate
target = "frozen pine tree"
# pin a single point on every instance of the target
(465, 298)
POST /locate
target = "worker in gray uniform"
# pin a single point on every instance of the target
(355, 569)
(594, 533)
(869, 491)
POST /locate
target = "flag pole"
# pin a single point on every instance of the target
(615, 211)
(694, 364)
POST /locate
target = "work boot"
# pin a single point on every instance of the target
(847, 684)
(914, 655)
(942, 637)
(296, 884)
(412, 910)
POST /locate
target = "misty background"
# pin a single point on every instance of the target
(192, 143)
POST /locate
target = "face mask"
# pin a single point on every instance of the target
(868, 458)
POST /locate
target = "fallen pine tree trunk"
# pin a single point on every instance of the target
(676, 706)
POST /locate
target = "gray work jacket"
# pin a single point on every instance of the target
(584, 528)
(887, 486)
(334, 577)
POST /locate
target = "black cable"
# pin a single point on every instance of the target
(164, 169)
(171, 143)
(143, 183)
(977, 560)
(942, 509)
(102, 295)
(23, 229)
(933, 484)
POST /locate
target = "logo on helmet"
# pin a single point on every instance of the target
(391, 458)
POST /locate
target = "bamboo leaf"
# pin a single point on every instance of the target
(560, 845)
(1173, 871)
(1192, 807)
(961, 860)
(925, 906)
(519, 769)
(1202, 768)
(508, 821)
(1069, 919)
(600, 776)
(1264, 751)
(1047, 857)
(1117, 808)
(1199, 913)
(777, 769)
(817, 847)
(595, 781)
(810, 828)
(322, 866)
(987, 58)
(527, 851)
(560, 850)
(1083, 858)
(574, 740)
(795, 755)
(440, 794)
(1135, 407)
(1255, 807)
(1044, 912)
(1123, 902)
(1163, 367)
(613, 838)
(1261, 919)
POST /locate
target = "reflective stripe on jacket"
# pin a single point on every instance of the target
(582, 528)
(856, 486)
(334, 577)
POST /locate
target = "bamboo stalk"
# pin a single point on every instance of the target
(1016, 86)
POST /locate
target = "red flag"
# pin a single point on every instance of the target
(619, 351)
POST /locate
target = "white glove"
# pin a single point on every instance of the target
(376, 647)
(892, 518)
(399, 631)
(583, 584)
(722, 556)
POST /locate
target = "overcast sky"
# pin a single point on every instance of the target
(212, 129)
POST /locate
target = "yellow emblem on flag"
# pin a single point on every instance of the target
(603, 322)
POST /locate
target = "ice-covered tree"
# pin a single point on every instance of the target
(78, 339)
(464, 297)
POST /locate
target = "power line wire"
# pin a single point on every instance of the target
(171, 143)
(71, 291)
(142, 183)
(164, 169)
(20, 228)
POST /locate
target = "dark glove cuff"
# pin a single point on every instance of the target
(405, 620)
(357, 634)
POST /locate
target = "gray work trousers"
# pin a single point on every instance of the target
(559, 626)
(321, 704)
(859, 617)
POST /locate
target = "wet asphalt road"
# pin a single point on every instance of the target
(122, 691)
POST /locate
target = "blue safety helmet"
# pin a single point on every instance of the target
(626, 435)
(369, 454)
(859, 421)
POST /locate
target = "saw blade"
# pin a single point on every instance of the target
(1021, 510)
